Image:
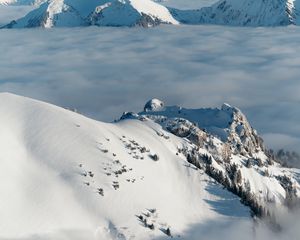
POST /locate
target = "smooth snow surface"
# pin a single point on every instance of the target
(57, 164)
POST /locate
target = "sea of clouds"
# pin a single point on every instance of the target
(105, 71)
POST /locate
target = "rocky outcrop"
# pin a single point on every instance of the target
(225, 145)
(154, 105)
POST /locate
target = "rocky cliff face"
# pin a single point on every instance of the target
(242, 138)
(228, 124)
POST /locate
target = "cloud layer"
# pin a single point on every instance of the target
(105, 71)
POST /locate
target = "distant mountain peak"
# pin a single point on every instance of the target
(154, 105)
(71, 13)
(242, 13)
(147, 13)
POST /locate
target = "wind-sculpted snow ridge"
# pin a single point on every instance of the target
(229, 150)
(242, 13)
(71, 13)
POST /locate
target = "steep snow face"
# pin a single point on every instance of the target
(242, 13)
(153, 9)
(63, 172)
(71, 13)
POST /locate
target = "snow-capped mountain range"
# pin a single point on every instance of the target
(70, 13)
(149, 175)
(243, 13)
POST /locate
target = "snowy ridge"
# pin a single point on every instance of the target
(147, 176)
(70, 13)
(146, 13)
(242, 13)
(105, 172)
(230, 151)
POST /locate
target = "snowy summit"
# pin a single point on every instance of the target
(72, 13)
(153, 105)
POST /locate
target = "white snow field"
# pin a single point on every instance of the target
(66, 175)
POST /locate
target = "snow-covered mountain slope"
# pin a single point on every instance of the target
(69, 13)
(72, 13)
(63, 172)
(229, 150)
(147, 176)
(243, 13)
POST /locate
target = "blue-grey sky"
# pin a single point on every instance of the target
(105, 71)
